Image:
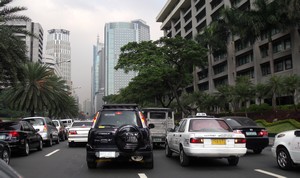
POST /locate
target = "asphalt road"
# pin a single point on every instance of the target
(60, 161)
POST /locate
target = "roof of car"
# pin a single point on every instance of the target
(120, 106)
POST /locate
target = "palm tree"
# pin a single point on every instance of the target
(291, 86)
(252, 24)
(12, 48)
(40, 91)
(275, 85)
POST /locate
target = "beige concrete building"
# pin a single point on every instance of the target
(187, 18)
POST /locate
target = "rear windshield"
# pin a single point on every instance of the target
(158, 115)
(36, 121)
(10, 126)
(208, 125)
(118, 118)
(82, 124)
(243, 121)
(56, 123)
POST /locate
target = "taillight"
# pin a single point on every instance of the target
(263, 133)
(95, 117)
(238, 131)
(196, 140)
(14, 134)
(240, 140)
(144, 121)
(72, 132)
(45, 128)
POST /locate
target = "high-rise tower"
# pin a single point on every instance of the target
(118, 34)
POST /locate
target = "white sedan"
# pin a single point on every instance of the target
(286, 148)
(78, 132)
(205, 137)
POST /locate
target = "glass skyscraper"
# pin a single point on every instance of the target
(118, 34)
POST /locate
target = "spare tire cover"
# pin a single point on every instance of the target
(128, 138)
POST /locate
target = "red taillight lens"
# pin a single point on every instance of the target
(45, 128)
(196, 140)
(14, 134)
(72, 132)
(240, 140)
(95, 117)
(263, 133)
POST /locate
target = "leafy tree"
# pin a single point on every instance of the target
(169, 61)
(244, 90)
(12, 48)
(261, 91)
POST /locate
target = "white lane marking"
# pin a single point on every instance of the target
(269, 173)
(52, 152)
(142, 175)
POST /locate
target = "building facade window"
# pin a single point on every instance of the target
(265, 69)
(283, 64)
(244, 59)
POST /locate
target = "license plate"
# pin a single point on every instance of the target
(156, 139)
(251, 133)
(218, 142)
(107, 154)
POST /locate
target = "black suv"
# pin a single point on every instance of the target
(120, 132)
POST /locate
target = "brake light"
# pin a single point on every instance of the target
(263, 133)
(14, 134)
(45, 128)
(144, 121)
(240, 140)
(95, 117)
(196, 140)
(72, 132)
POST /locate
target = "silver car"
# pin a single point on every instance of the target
(78, 132)
(46, 129)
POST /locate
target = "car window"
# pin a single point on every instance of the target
(82, 124)
(25, 126)
(10, 126)
(208, 125)
(55, 123)
(182, 126)
(118, 118)
(157, 115)
(244, 121)
(36, 121)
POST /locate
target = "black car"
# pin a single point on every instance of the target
(120, 132)
(5, 151)
(21, 136)
(256, 136)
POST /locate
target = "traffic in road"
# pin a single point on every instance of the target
(61, 161)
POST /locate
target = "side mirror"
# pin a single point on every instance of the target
(151, 126)
(297, 133)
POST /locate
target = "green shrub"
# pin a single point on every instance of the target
(279, 126)
(259, 108)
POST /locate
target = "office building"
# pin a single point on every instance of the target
(98, 76)
(58, 46)
(116, 35)
(34, 44)
(187, 18)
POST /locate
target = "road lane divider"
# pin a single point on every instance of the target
(52, 153)
(142, 175)
(269, 173)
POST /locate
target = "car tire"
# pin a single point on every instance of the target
(57, 141)
(183, 158)
(149, 163)
(5, 155)
(71, 144)
(128, 138)
(40, 146)
(233, 161)
(50, 142)
(26, 149)
(283, 159)
(91, 164)
(257, 151)
(168, 151)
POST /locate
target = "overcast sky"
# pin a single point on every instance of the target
(85, 19)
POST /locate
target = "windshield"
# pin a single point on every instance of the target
(10, 126)
(117, 118)
(208, 125)
(82, 124)
(36, 121)
(56, 123)
(158, 115)
(241, 121)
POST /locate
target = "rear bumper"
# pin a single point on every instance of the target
(93, 154)
(78, 139)
(257, 143)
(215, 152)
(16, 146)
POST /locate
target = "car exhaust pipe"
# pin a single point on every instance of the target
(137, 158)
